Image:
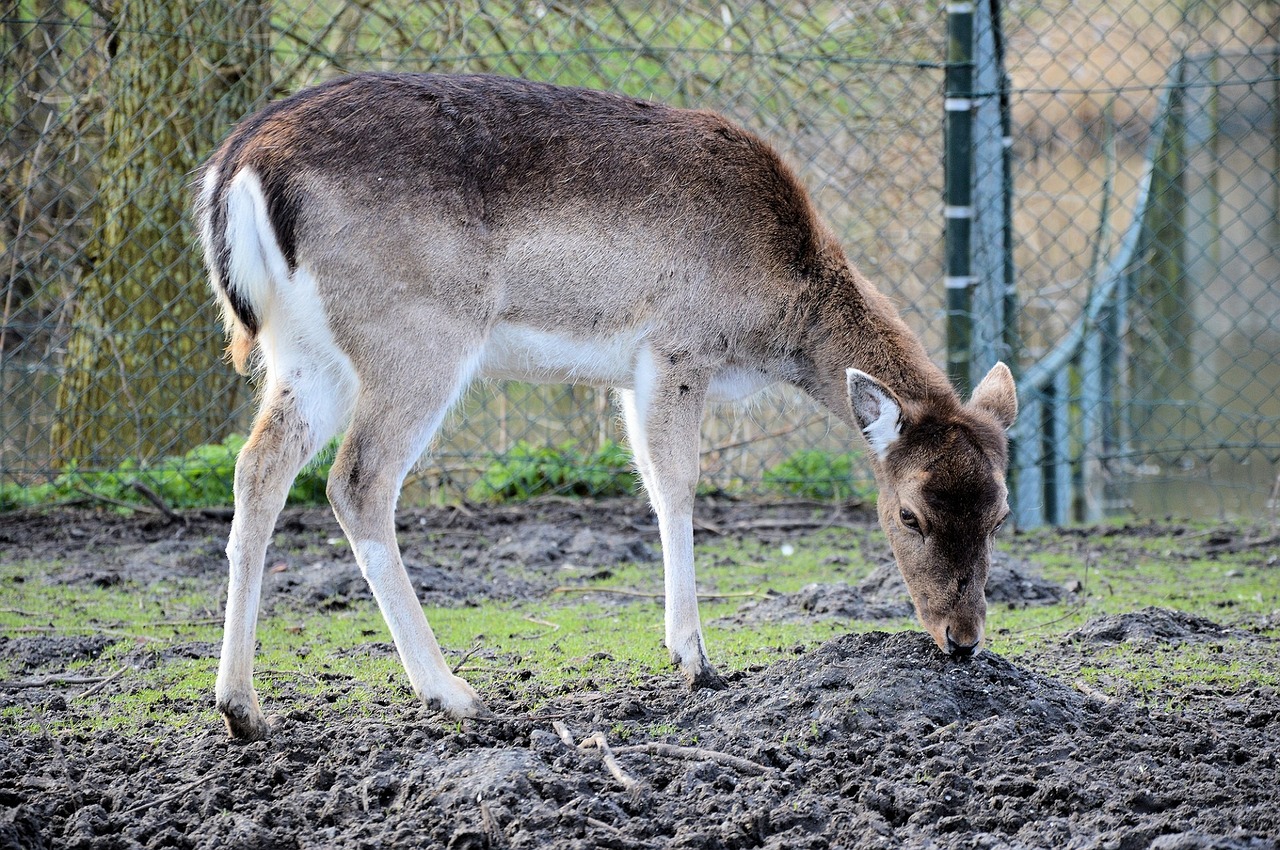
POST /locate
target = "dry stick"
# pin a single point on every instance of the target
(563, 731)
(617, 591)
(96, 629)
(610, 762)
(296, 674)
(1084, 688)
(172, 795)
(552, 628)
(91, 691)
(465, 656)
(133, 506)
(774, 524)
(697, 754)
(52, 679)
(154, 498)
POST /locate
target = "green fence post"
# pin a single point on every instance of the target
(1163, 348)
(958, 104)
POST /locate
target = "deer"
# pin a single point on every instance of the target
(378, 242)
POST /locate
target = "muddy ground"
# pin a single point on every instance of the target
(869, 740)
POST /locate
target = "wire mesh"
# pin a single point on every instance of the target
(109, 347)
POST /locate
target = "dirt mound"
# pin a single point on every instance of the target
(868, 741)
(883, 595)
(877, 683)
(1162, 625)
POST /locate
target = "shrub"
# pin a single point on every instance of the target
(815, 474)
(526, 471)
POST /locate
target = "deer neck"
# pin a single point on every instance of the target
(857, 327)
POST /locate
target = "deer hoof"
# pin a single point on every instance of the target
(706, 679)
(459, 703)
(245, 723)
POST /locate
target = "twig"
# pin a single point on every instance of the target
(476, 647)
(297, 674)
(172, 795)
(597, 740)
(697, 754)
(552, 628)
(91, 691)
(119, 503)
(154, 498)
(52, 679)
(95, 629)
(563, 731)
(618, 591)
(1089, 691)
(775, 524)
(494, 836)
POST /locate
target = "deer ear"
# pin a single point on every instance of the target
(877, 411)
(997, 395)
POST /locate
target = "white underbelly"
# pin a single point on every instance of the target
(521, 353)
(734, 383)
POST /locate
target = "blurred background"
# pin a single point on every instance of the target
(1087, 190)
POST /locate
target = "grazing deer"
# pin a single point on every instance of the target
(384, 239)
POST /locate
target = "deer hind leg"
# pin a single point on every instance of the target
(295, 421)
(390, 428)
(663, 416)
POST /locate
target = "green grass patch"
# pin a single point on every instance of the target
(606, 631)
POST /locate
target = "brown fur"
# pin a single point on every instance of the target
(453, 224)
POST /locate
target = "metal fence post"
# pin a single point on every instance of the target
(958, 210)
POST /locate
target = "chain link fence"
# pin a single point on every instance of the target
(110, 347)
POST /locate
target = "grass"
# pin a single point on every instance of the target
(342, 660)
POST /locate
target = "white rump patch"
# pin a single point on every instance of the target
(300, 352)
(256, 259)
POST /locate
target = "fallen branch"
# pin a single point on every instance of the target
(108, 680)
(94, 629)
(154, 498)
(172, 795)
(119, 503)
(775, 524)
(640, 594)
(697, 754)
(466, 656)
(52, 679)
(598, 740)
(1090, 691)
(552, 628)
(563, 732)
(287, 674)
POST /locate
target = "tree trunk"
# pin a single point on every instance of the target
(142, 374)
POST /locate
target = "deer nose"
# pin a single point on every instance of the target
(960, 650)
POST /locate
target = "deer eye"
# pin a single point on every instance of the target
(910, 520)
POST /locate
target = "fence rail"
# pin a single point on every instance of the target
(1122, 250)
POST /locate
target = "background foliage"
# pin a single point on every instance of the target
(109, 347)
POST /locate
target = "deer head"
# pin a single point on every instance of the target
(940, 466)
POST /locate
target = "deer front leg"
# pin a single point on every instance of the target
(663, 416)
